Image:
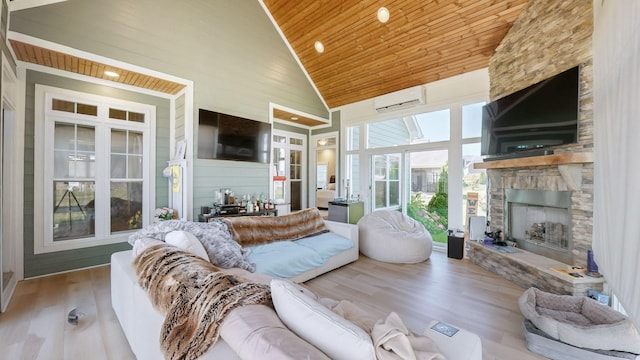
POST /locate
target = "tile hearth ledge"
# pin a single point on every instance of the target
(527, 269)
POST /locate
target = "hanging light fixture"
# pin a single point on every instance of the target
(383, 14)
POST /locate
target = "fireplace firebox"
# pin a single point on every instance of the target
(539, 221)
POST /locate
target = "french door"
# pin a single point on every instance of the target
(7, 242)
(289, 166)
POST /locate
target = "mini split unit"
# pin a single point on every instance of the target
(400, 99)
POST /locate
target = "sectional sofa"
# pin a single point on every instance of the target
(294, 324)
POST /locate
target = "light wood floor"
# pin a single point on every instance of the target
(454, 291)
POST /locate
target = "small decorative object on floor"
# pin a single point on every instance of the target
(445, 329)
(73, 316)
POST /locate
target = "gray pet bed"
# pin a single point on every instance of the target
(579, 321)
(541, 343)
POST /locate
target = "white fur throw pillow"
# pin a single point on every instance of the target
(140, 245)
(188, 242)
(334, 335)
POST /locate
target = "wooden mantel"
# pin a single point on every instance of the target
(544, 160)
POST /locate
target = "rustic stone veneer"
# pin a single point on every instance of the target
(547, 38)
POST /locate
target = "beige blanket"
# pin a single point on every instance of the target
(194, 297)
(393, 341)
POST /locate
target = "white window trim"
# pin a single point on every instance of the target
(43, 241)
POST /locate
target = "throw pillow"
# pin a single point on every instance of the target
(186, 241)
(334, 335)
(142, 244)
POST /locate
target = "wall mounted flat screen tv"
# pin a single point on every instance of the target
(541, 116)
(228, 137)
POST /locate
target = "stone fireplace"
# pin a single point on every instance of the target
(539, 221)
(544, 204)
(546, 38)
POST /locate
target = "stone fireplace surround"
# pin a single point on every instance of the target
(559, 172)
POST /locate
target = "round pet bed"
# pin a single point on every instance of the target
(390, 236)
(579, 321)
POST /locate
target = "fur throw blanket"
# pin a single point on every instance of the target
(222, 250)
(255, 230)
(194, 296)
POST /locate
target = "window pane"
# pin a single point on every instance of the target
(135, 143)
(62, 105)
(294, 141)
(85, 165)
(429, 202)
(118, 141)
(279, 139)
(353, 174)
(433, 126)
(87, 109)
(472, 120)
(353, 138)
(63, 164)
(86, 138)
(126, 206)
(118, 166)
(117, 114)
(136, 117)
(64, 136)
(474, 183)
(381, 194)
(73, 212)
(394, 193)
(387, 133)
(135, 167)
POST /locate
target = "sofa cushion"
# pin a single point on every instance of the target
(326, 245)
(335, 336)
(256, 332)
(254, 230)
(186, 241)
(284, 259)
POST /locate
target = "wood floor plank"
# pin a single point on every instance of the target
(449, 290)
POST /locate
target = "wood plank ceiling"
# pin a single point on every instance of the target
(423, 41)
(61, 61)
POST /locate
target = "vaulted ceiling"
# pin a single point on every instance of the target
(423, 41)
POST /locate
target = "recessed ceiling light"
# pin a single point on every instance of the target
(383, 14)
(111, 73)
(294, 118)
(319, 47)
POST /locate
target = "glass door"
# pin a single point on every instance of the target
(429, 199)
(7, 243)
(289, 169)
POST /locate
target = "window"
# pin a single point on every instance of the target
(386, 181)
(94, 171)
(406, 163)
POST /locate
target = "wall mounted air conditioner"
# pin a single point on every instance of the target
(400, 99)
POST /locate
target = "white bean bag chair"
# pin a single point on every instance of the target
(579, 321)
(393, 237)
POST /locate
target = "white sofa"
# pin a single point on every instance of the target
(257, 331)
(141, 323)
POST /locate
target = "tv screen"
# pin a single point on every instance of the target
(540, 116)
(228, 137)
